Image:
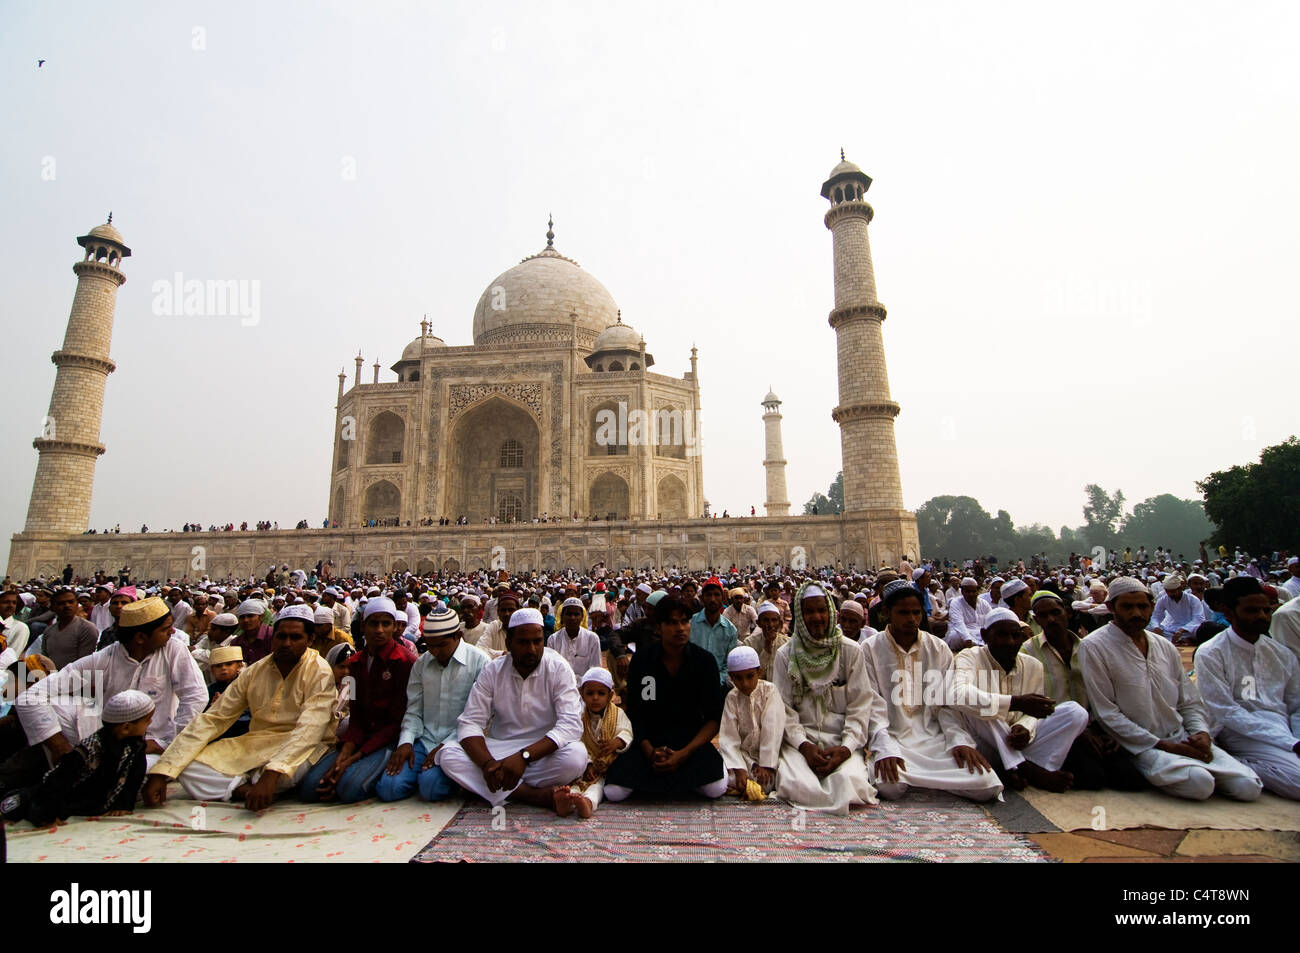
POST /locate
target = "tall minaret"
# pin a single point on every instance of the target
(865, 413)
(69, 442)
(774, 457)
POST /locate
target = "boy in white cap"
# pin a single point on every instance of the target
(227, 661)
(606, 731)
(577, 644)
(753, 724)
(100, 776)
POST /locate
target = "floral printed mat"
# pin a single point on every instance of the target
(925, 826)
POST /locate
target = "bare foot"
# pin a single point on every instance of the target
(1040, 777)
(240, 792)
(563, 804)
(585, 807)
(1012, 779)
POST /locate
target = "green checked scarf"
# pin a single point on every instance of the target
(813, 663)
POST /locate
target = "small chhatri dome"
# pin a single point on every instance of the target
(845, 171)
(620, 337)
(771, 398)
(105, 232)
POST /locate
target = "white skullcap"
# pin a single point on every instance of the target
(323, 614)
(644, 588)
(1096, 584)
(251, 607)
(224, 618)
(1125, 584)
(918, 572)
(470, 599)
(127, 706)
(1069, 580)
(969, 581)
(1173, 581)
(996, 579)
(600, 675)
(1293, 560)
(741, 659)
(381, 604)
(1013, 588)
(852, 607)
(332, 657)
(813, 591)
(767, 607)
(528, 616)
(571, 603)
(1000, 614)
(296, 612)
(1197, 575)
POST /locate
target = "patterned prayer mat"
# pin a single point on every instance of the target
(926, 826)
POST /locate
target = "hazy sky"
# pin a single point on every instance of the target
(1084, 232)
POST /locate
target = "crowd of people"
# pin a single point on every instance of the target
(823, 688)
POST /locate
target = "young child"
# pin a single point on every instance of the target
(338, 659)
(753, 723)
(606, 731)
(227, 661)
(100, 777)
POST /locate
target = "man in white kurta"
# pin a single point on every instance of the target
(912, 671)
(832, 713)
(1285, 626)
(61, 710)
(1251, 688)
(1000, 692)
(577, 644)
(1144, 699)
(1178, 613)
(521, 731)
(966, 617)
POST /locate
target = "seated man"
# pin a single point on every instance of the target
(1143, 697)
(577, 644)
(1251, 688)
(1000, 693)
(493, 640)
(254, 635)
(966, 617)
(928, 745)
(291, 696)
(379, 675)
(832, 713)
(709, 628)
(57, 712)
(1178, 613)
(1095, 760)
(527, 699)
(768, 639)
(436, 693)
(324, 633)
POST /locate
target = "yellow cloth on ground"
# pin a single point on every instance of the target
(292, 721)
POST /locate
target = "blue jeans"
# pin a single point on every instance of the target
(432, 783)
(357, 783)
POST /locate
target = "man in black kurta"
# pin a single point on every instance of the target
(674, 700)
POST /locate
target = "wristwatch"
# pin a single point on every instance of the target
(527, 756)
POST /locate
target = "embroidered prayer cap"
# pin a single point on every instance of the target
(251, 607)
(382, 604)
(143, 612)
(1173, 581)
(571, 603)
(1124, 584)
(812, 591)
(644, 588)
(1197, 575)
(738, 591)
(323, 614)
(127, 706)
(896, 590)
(853, 608)
(1292, 561)
(1000, 614)
(529, 616)
(469, 599)
(741, 659)
(995, 580)
(225, 619)
(599, 675)
(918, 572)
(301, 613)
(654, 597)
(1013, 589)
(969, 581)
(768, 607)
(226, 653)
(438, 625)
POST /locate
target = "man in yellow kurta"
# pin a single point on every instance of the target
(291, 695)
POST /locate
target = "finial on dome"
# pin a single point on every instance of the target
(424, 327)
(841, 153)
(110, 218)
(550, 231)
(620, 316)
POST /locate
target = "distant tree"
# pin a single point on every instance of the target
(1102, 514)
(830, 502)
(1257, 506)
(954, 527)
(1165, 520)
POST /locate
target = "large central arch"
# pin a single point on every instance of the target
(492, 459)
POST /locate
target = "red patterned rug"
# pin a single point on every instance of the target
(925, 826)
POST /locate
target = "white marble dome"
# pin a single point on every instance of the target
(534, 301)
(414, 350)
(620, 337)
